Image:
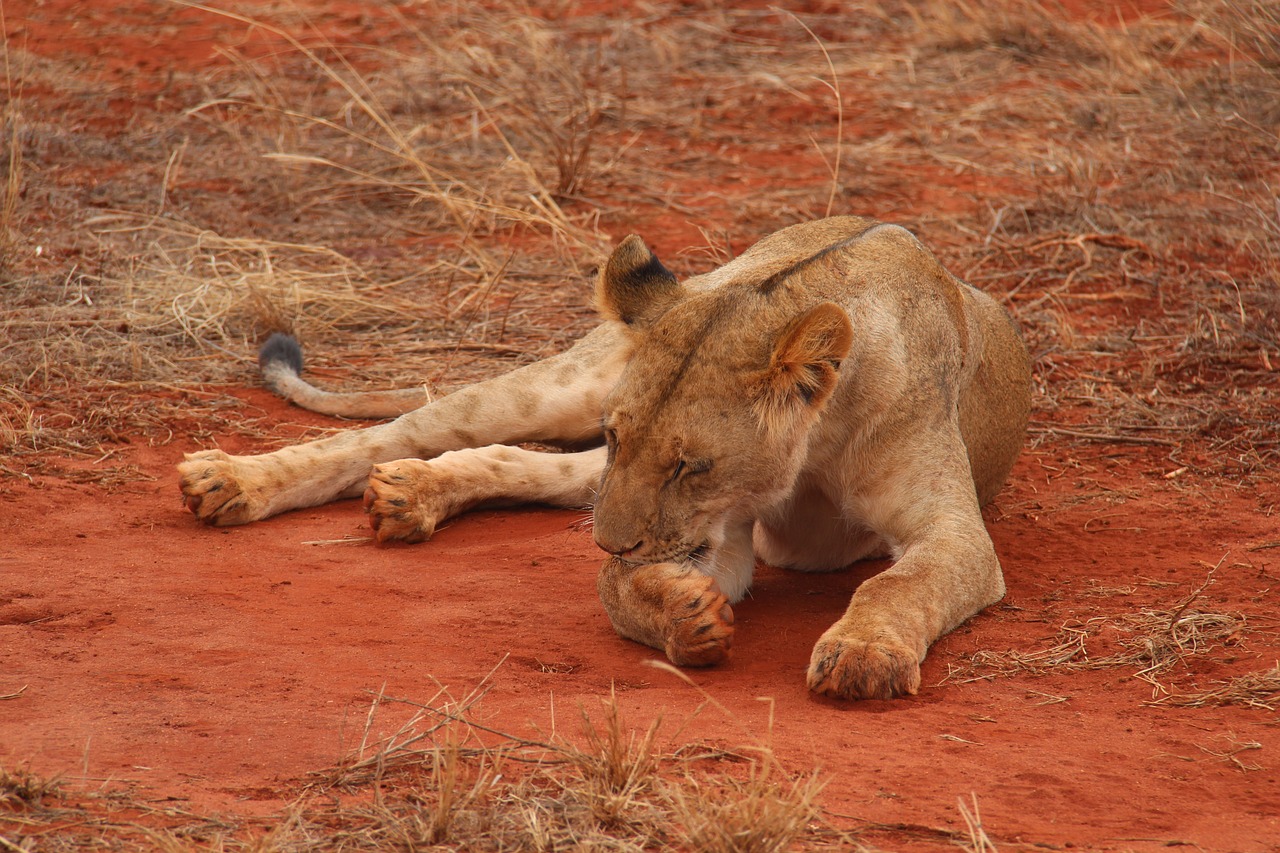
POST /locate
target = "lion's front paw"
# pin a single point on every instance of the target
(404, 501)
(851, 667)
(701, 629)
(216, 491)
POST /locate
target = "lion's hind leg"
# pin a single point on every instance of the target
(223, 490)
(409, 498)
(556, 400)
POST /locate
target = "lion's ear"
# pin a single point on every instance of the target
(634, 286)
(805, 364)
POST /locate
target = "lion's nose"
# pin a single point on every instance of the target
(616, 549)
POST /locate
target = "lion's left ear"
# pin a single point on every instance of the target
(804, 367)
(634, 286)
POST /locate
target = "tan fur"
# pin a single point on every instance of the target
(830, 395)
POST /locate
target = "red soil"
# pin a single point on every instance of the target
(216, 668)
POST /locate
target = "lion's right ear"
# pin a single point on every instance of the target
(634, 286)
(804, 367)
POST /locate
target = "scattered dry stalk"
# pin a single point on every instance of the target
(1252, 690)
(979, 841)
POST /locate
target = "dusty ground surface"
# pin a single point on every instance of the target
(1122, 697)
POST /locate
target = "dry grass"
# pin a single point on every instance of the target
(611, 787)
(979, 841)
(499, 148)
(21, 789)
(1259, 689)
(10, 136)
(442, 780)
(486, 129)
(1143, 263)
(1150, 641)
(758, 814)
(10, 127)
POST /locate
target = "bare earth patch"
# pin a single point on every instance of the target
(421, 192)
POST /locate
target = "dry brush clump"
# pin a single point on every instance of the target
(443, 781)
(489, 125)
(611, 787)
(753, 815)
(10, 190)
(1149, 641)
(22, 789)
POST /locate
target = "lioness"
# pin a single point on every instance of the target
(830, 395)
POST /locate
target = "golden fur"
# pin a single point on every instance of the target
(830, 395)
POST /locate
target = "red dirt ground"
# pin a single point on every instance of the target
(215, 669)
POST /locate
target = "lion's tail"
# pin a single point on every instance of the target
(280, 363)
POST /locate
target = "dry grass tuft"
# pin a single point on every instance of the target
(442, 779)
(203, 290)
(617, 769)
(22, 789)
(542, 89)
(490, 132)
(196, 294)
(1030, 32)
(1151, 641)
(1253, 690)
(11, 140)
(10, 191)
(760, 814)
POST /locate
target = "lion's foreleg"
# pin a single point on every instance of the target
(875, 650)
(407, 499)
(946, 572)
(670, 607)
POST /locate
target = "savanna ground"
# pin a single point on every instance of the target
(421, 191)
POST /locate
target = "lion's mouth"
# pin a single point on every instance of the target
(698, 556)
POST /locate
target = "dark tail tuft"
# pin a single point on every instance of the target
(281, 349)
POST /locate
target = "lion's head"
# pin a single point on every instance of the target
(709, 423)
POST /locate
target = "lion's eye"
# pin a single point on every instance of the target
(611, 444)
(686, 467)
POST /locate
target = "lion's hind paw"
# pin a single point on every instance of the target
(213, 490)
(400, 503)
